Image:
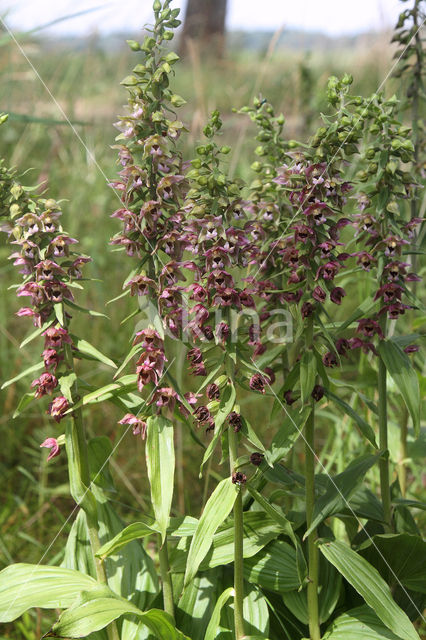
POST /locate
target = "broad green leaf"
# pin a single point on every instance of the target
(23, 586)
(259, 530)
(99, 607)
(308, 372)
(124, 385)
(77, 307)
(88, 349)
(370, 585)
(285, 524)
(160, 462)
(363, 425)
(401, 370)
(133, 351)
(273, 568)
(359, 624)
(216, 510)
(226, 405)
(35, 334)
(134, 531)
(398, 557)
(196, 604)
(360, 311)
(287, 435)
(66, 383)
(215, 619)
(330, 583)
(23, 403)
(339, 490)
(59, 313)
(179, 527)
(255, 614)
(22, 374)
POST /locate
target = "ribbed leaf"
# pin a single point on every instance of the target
(370, 585)
(160, 462)
(215, 512)
(195, 607)
(259, 530)
(255, 614)
(96, 609)
(273, 568)
(363, 425)
(340, 488)
(23, 586)
(88, 349)
(359, 624)
(226, 405)
(400, 557)
(215, 619)
(287, 435)
(400, 368)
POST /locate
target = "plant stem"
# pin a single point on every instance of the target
(313, 557)
(166, 578)
(313, 554)
(402, 468)
(238, 544)
(383, 438)
(79, 474)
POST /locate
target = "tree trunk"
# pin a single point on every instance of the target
(204, 25)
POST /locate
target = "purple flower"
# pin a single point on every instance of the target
(138, 425)
(52, 444)
(328, 271)
(337, 294)
(319, 294)
(257, 383)
(317, 392)
(235, 421)
(58, 407)
(44, 384)
(369, 328)
(329, 359)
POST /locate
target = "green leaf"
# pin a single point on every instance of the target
(59, 313)
(196, 604)
(77, 307)
(65, 384)
(133, 351)
(400, 557)
(160, 462)
(226, 405)
(134, 531)
(370, 585)
(339, 490)
(285, 524)
(273, 568)
(88, 349)
(115, 389)
(359, 624)
(329, 589)
(401, 370)
(287, 435)
(23, 403)
(99, 607)
(23, 586)
(308, 372)
(364, 427)
(255, 614)
(216, 510)
(26, 372)
(259, 529)
(214, 623)
(35, 334)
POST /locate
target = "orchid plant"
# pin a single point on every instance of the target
(252, 285)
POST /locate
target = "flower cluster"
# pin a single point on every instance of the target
(49, 266)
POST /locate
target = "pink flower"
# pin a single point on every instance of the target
(58, 407)
(55, 337)
(52, 444)
(45, 384)
(138, 425)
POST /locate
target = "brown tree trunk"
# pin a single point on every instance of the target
(204, 26)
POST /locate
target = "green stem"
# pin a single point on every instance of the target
(383, 441)
(238, 544)
(313, 554)
(166, 578)
(79, 475)
(313, 557)
(402, 467)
